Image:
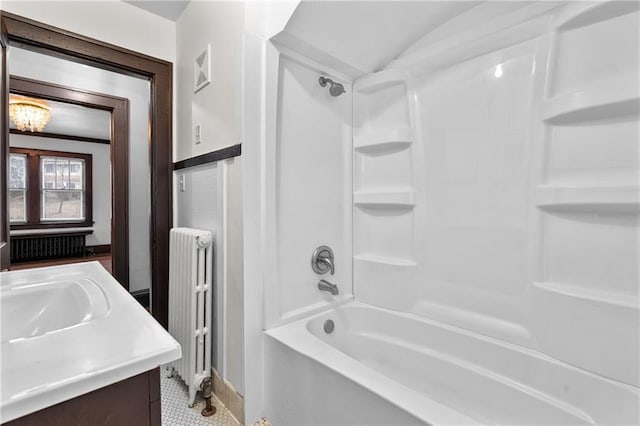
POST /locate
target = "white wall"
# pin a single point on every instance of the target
(215, 107)
(253, 235)
(234, 362)
(47, 68)
(114, 22)
(199, 205)
(211, 199)
(101, 177)
(266, 19)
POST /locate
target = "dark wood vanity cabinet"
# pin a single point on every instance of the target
(134, 401)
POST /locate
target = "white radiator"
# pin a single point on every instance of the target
(190, 303)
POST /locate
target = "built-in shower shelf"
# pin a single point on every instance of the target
(395, 199)
(601, 101)
(384, 260)
(597, 199)
(391, 140)
(380, 80)
(590, 13)
(590, 295)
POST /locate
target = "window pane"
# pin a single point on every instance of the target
(62, 173)
(76, 174)
(48, 173)
(62, 196)
(17, 205)
(62, 205)
(18, 170)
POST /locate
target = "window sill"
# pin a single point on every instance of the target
(50, 225)
(43, 232)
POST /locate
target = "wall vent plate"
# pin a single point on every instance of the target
(202, 69)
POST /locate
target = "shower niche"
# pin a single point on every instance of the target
(384, 192)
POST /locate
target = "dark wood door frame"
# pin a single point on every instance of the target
(13, 131)
(119, 109)
(5, 251)
(32, 35)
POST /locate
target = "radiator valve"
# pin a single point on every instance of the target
(207, 391)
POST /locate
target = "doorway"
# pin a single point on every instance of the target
(115, 129)
(28, 34)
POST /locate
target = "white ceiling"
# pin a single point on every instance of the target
(364, 36)
(170, 9)
(76, 120)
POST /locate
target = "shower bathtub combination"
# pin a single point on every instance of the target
(478, 188)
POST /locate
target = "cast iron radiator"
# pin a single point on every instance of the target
(25, 248)
(191, 304)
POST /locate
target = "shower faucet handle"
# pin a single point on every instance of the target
(322, 260)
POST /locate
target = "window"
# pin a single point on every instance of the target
(62, 196)
(18, 188)
(49, 189)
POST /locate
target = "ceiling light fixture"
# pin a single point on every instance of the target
(29, 114)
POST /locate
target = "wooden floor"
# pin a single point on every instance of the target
(104, 259)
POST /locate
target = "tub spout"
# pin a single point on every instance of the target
(325, 285)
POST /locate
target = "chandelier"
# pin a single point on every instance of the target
(29, 114)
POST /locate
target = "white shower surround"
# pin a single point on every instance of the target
(308, 186)
(520, 233)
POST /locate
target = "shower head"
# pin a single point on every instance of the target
(336, 89)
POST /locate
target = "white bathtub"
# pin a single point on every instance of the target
(380, 366)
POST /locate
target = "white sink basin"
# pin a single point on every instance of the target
(68, 330)
(34, 309)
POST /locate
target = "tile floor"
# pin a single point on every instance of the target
(176, 412)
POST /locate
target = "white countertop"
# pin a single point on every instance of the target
(52, 354)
